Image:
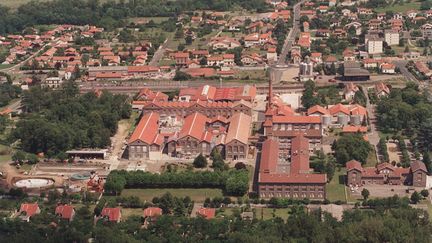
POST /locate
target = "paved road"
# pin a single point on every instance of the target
(373, 134)
(13, 68)
(157, 56)
(401, 64)
(290, 39)
(276, 71)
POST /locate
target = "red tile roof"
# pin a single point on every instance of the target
(292, 178)
(113, 214)
(239, 128)
(418, 165)
(353, 164)
(318, 109)
(200, 72)
(152, 212)
(297, 119)
(194, 126)
(207, 213)
(354, 129)
(65, 211)
(30, 209)
(147, 130)
(142, 69)
(338, 108)
(299, 155)
(269, 156)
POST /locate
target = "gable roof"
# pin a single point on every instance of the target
(152, 212)
(269, 156)
(339, 108)
(318, 109)
(418, 165)
(353, 164)
(207, 213)
(65, 211)
(113, 214)
(194, 126)
(30, 209)
(147, 129)
(239, 128)
(299, 155)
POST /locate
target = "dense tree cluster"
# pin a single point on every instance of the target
(409, 112)
(109, 13)
(234, 182)
(382, 147)
(351, 146)
(8, 92)
(60, 120)
(322, 163)
(397, 224)
(313, 95)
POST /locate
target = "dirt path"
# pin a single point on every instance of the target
(118, 142)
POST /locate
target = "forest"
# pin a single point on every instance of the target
(57, 120)
(83, 12)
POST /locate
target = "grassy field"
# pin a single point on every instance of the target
(197, 195)
(335, 189)
(400, 8)
(127, 212)
(133, 120)
(371, 159)
(5, 156)
(157, 20)
(261, 213)
(251, 74)
(4, 66)
(15, 3)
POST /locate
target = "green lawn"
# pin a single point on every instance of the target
(4, 66)
(5, 156)
(197, 195)
(335, 189)
(133, 120)
(264, 213)
(127, 212)
(371, 159)
(251, 75)
(396, 8)
(157, 20)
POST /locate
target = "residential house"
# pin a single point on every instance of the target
(350, 90)
(65, 212)
(381, 90)
(207, 213)
(28, 210)
(111, 214)
(388, 68)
